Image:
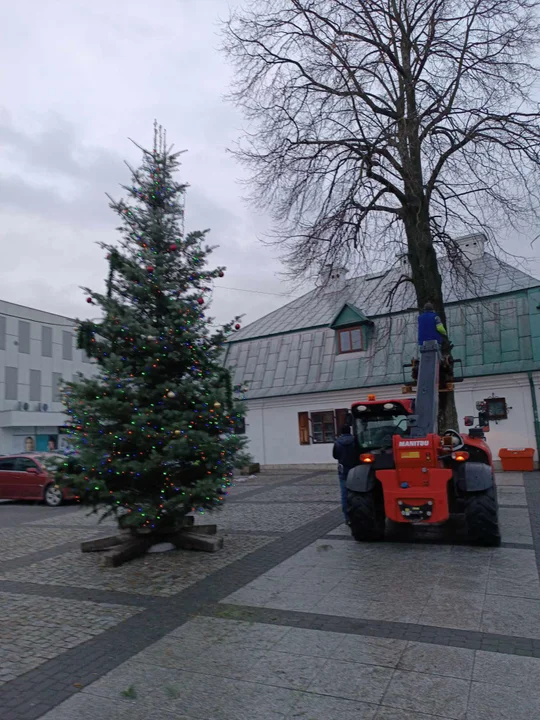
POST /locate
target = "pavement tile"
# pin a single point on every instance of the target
(386, 713)
(515, 525)
(353, 681)
(509, 670)
(499, 702)
(453, 609)
(171, 690)
(511, 616)
(314, 643)
(322, 707)
(85, 707)
(370, 650)
(283, 669)
(513, 479)
(421, 692)
(437, 660)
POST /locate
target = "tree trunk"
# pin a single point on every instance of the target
(427, 282)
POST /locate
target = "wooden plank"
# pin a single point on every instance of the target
(203, 529)
(194, 541)
(129, 551)
(100, 544)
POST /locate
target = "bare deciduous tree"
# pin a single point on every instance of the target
(384, 121)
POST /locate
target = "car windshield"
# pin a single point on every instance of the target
(376, 431)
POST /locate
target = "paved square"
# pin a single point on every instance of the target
(292, 620)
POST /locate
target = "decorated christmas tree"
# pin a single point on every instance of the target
(154, 430)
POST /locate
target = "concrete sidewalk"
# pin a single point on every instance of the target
(293, 619)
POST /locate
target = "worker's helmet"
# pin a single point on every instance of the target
(428, 307)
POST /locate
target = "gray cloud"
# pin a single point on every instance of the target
(86, 79)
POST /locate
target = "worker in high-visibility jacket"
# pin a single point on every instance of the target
(430, 326)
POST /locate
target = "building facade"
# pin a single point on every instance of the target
(304, 364)
(37, 352)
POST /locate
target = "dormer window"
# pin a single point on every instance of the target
(350, 340)
(352, 329)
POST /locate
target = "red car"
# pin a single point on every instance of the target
(24, 477)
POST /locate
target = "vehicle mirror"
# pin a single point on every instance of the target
(468, 420)
(32, 471)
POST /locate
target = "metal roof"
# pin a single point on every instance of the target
(293, 349)
(370, 294)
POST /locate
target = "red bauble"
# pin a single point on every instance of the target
(89, 301)
(237, 326)
(172, 248)
(108, 256)
(221, 274)
(200, 301)
(150, 269)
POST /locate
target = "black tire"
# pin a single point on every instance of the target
(366, 515)
(482, 517)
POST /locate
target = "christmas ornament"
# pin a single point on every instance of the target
(171, 394)
(150, 269)
(237, 326)
(89, 301)
(221, 274)
(177, 432)
(200, 301)
(150, 337)
(217, 404)
(172, 248)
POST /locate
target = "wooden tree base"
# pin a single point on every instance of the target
(127, 545)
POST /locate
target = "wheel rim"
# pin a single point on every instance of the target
(53, 495)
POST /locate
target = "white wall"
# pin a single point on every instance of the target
(14, 422)
(272, 423)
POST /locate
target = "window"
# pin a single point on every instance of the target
(24, 337)
(323, 427)
(67, 345)
(56, 381)
(46, 341)
(2, 332)
(35, 385)
(7, 464)
(11, 383)
(350, 340)
(303, 427)
(23, 464)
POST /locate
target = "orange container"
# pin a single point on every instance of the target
(517, 459)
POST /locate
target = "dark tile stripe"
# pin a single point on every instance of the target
(472, 640)
(31, 558)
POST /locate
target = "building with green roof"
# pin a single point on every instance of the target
(305, 363)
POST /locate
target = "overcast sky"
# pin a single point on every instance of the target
(78, 78)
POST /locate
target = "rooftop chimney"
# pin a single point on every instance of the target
(335, 279)
(472, 246)
(403, 263)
